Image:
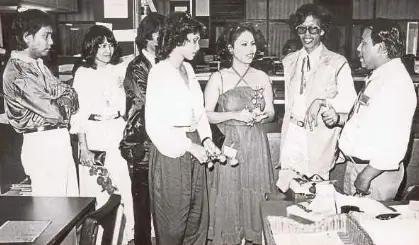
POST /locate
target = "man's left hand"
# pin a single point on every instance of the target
(364, 178)
(330, 117)
(362, 184)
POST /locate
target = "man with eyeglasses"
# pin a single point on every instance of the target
(376, 132)
(315, 78)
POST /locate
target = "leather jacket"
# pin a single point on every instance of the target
(135, 142)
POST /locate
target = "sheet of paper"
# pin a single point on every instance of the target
(323, 238)
(107, 25)
(125, 35)
(115, 9)
(400, 230)
(22, 231)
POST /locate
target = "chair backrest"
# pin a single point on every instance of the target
(273, 134)
(412, 165)
(411, 193)
(109, 218)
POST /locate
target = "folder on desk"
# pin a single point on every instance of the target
(21, 231)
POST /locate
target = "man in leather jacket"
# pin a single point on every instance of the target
(134, 145)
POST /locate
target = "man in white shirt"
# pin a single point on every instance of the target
(376, 132)
(134, 146)
(314, 77)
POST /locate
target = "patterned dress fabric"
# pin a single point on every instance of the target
(236, 191)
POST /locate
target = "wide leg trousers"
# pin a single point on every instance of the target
(179, 198)
(47, 158)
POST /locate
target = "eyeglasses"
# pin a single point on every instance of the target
(311, 29)
(106, 45)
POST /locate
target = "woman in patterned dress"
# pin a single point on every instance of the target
(239, 99)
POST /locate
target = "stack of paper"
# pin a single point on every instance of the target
(21, 189)
(398, 230)
(318, 238)
(22, 231)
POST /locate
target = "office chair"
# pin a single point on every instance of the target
(110, 218)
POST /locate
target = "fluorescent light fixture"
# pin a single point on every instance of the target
(22, 6)
(34, 6)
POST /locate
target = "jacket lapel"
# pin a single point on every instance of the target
(323, 62)
(291, 73)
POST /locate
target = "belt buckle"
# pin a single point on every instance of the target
(300, 124)
(40, 129)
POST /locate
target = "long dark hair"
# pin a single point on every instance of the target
(174, 33)
(150, 24)
(96, 35)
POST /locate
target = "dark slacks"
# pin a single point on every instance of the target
(179, 198)
(141, 199)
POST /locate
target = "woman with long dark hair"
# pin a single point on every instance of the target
(99, 124)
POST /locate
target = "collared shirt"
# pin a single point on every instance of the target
(34, 97)
(174, 108)
(312, 152)
(299, 107)
(380, 127)
(345, 84)
(150, 56)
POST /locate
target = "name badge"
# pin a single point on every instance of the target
(229, 152)
(364, 100)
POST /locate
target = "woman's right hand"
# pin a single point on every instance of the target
(245, 116)
(87, 158)
(199, 153)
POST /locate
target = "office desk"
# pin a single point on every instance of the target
(65, 213)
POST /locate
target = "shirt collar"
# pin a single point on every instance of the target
(383, 69)
(150, 56)
(21, 56)
(314, 56)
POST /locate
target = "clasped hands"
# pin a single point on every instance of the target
(207, 153)
(329, 114)
(251, 117)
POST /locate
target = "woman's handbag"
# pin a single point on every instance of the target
(100, 157)
(132, 144)
(217, 136)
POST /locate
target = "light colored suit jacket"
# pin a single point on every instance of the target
(322, 82)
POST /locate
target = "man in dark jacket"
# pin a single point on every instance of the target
(134, 146)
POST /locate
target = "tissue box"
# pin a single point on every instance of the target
(337, 229)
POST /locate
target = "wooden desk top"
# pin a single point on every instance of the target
(64, 212)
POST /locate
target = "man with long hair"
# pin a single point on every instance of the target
(134, 147)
